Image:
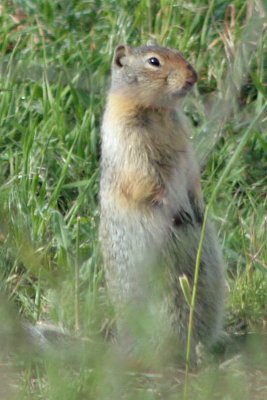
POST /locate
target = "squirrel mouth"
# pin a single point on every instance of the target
(184, 89)
(188, 85)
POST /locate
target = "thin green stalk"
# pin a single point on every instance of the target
(205, 24)
(193, 302)
(76, 281)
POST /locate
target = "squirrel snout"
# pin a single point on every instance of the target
(182, 79)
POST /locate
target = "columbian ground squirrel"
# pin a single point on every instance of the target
(151, 201)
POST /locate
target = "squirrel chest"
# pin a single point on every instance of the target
(148, 156)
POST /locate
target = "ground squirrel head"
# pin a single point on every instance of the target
(151, 76)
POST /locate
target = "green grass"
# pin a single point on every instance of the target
(54, 75)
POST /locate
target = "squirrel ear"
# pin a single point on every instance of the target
(120, 55)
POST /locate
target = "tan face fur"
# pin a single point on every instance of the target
(152, 76)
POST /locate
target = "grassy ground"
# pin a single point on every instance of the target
(55, 58)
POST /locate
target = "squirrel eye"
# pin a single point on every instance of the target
(154, 61)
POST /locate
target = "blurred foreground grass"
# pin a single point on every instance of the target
(55, 59)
